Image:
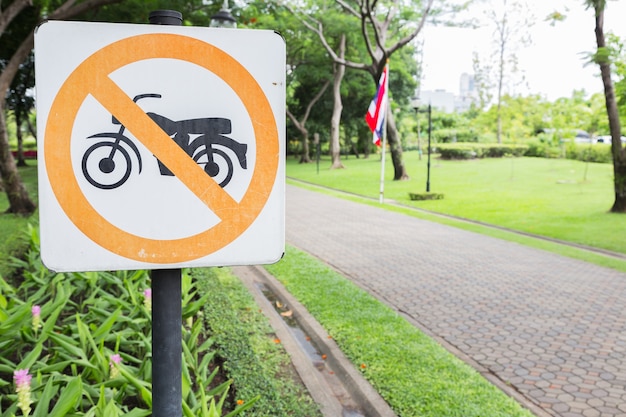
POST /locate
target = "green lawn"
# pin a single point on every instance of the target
(12, 227)
(557, 198)
(414, 374)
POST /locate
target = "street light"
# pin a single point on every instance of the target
(223, 18)
(430, 128)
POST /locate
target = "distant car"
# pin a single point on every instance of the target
(583, 137)
(607, 139)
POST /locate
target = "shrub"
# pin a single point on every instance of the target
(588, 152)
(230, 314)
(542, 149)
(85, 339)
(479, 150)
(450, 135)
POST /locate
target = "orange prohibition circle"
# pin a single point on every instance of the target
(91, 77)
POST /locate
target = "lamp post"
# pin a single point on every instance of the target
(415, 103)
(223, 18)
(430, 128)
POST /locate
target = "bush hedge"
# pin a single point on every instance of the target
(596, 152)
(479, 150)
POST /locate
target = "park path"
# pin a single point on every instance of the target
(550, 328)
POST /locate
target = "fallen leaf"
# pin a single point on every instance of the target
(287, 313)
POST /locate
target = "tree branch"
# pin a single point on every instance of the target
(314, 100)
(348, 8)
(413, 34)
(319, 30)
(11, 12)
(65, 11)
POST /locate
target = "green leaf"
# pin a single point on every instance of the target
(68, 345)
(16, 317)
(111, 410)
(146, 395)
(49, 392)
(105, 327)
(138, 412)
(187, 411)
(30, 359)
(243, 407)
(57, 307)
(192, 308)
(68, 398)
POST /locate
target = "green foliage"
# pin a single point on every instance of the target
(479, 150)
(599, 152)
(544, 149)
(449, 135)
(243, 337)
(86, 319)
(430, 383)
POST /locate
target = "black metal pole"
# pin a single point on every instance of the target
(167, 314)
(430, 128)
(167, 347)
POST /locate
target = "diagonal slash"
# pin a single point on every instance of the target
(119, 104)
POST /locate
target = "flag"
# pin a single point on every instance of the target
(375, 116)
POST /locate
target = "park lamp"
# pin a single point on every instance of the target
(223, 18)
(415, 103)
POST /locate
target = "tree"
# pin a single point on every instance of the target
(385, 29)
(602, 57)
(511, 22)
(301, 124)
(19, 200)
(340, 28)
(339, 72)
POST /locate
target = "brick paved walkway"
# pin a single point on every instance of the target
(552, 328)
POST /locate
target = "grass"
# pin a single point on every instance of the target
(12, 227)
(557, 198)
(415, 375)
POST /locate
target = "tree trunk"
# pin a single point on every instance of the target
(21, 162)
(339, 72)
(395, 148)
(19, 201)
(617, 150)
(306, 154)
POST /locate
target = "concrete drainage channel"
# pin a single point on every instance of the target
(333, 382)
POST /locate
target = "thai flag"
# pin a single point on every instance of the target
(375, 116)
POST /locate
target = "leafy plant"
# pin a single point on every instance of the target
(81, 343)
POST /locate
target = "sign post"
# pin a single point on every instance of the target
(191, 174)
(167, 313)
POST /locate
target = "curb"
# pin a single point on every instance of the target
(334, 384)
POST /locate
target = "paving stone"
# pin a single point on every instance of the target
(552, 327)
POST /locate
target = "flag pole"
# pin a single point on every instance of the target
(384, 141)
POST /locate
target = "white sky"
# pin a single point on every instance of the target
(553, 64)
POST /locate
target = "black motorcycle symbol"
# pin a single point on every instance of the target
(196, 137)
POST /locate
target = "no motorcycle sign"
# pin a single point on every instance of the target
(162, 146)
